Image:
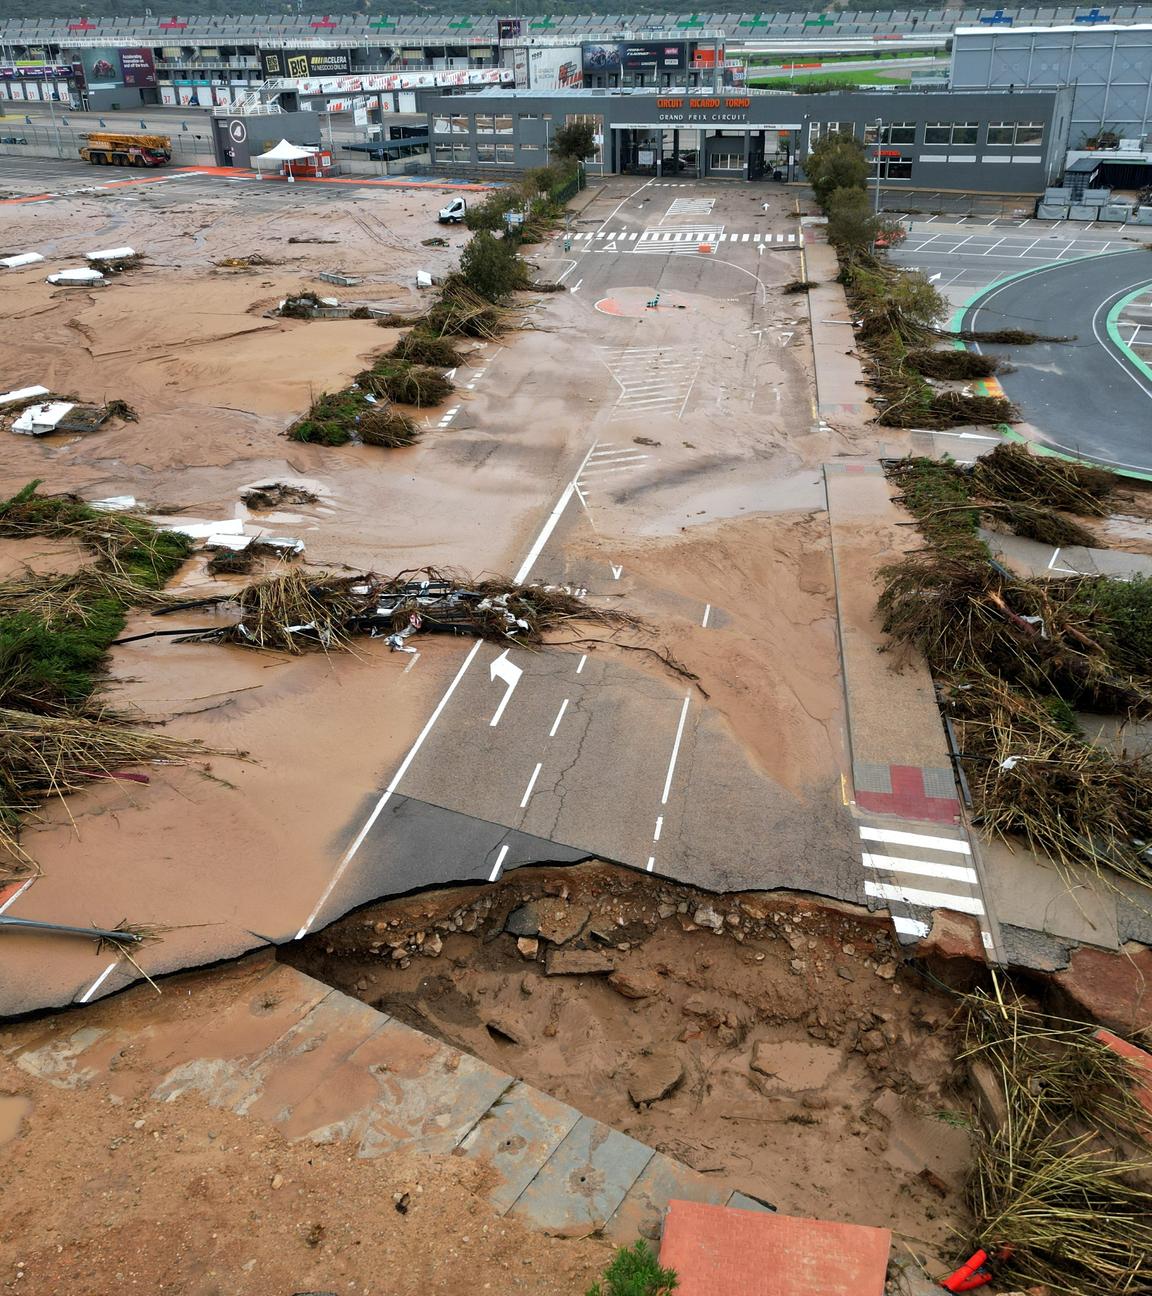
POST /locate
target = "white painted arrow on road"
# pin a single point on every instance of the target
(616, 571)
(938, 275)
(503, 669)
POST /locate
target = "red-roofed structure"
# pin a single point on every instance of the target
(721, 1251)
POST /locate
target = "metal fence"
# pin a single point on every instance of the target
(20, 140)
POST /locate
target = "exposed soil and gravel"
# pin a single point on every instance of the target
(764, 1038)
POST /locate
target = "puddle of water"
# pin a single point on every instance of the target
(13, 1109)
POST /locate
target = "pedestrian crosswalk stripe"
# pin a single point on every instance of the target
(915, 839)
(924, 899)
(909, 926)
(922, 868)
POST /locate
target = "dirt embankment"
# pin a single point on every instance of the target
(763, 1038)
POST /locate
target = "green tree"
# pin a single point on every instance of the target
(490, 267)
(574, 142)
(836, 162)
(635, 1271)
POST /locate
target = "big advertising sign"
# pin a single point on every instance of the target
(305, 63)
(138, 68)
(637, 56)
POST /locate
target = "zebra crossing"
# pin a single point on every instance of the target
(684, 240)
(652, 238)
(912, 873)
(690, 207)
(652, 380)
(606, 461)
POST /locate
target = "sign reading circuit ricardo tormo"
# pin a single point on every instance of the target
(706, 110)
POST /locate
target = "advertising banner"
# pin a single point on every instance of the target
(402, 80)
(601, 58)
(305, 63)
(554, 69)
(138, 69)
(24, 68)
(660, 56)
(101, 68)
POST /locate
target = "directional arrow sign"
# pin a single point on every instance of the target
(616, 571)
(503, 669)
(933, 278)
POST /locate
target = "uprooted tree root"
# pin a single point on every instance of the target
(297, 610)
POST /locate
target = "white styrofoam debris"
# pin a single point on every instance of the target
(283, 544)
(226, 540)
(423, 279)
(39, 419)
(22, 393)
(20, 259)
(77, 277)
(111, 254)
(202, 530)
(114, 503)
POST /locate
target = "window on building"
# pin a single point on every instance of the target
(951, 133)
(597, 123)
(529, 117)
(455, 125)
(485, 124)
(895, 169)
(505, 155)
(529, 148)
(726, 162)
(503, 124)
(891, 133)
(459, 152)
(1015, 133)
(486, 154)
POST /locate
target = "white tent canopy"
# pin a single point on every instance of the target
(285, 152)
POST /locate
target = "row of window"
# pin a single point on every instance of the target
(486, 123)
(486, 154)
(1009, 134)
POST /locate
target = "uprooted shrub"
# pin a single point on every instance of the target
(956, 365)
(404, 383)
(387, 427)
(424, 348)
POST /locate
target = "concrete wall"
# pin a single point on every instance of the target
(256, 133)
(1110, 68)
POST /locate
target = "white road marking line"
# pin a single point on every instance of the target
(909, 926)
(897, 864)
(387, 794)
(576, 286)
(923, 899)
(614, 457)
(659, 827)
(915, 839)
(651, 863)
(504, 669)
(97, 983)
(707, 614)
(617, 570)
(675, 749)
(499, 863)
(531, 784)
(545, 534)
(17, 893)
(580, 663)
(559, 717)
(412, 662)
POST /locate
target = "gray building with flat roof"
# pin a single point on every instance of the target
(989, 143)
(1110, 68)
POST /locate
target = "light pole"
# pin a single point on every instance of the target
(879, 154)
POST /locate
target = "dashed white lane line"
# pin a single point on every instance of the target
(531, 784)
(924, 899)
(659, 827)
(500, 858)
(915, 839)
(580, 663)
(97, 983)
(651, 863)
(559, 717)
(947, 872)
(707, 614)
(675, 749)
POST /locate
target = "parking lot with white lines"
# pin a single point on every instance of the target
(652, 380)
(967, 257)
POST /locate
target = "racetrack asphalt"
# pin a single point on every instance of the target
(1087, 395)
